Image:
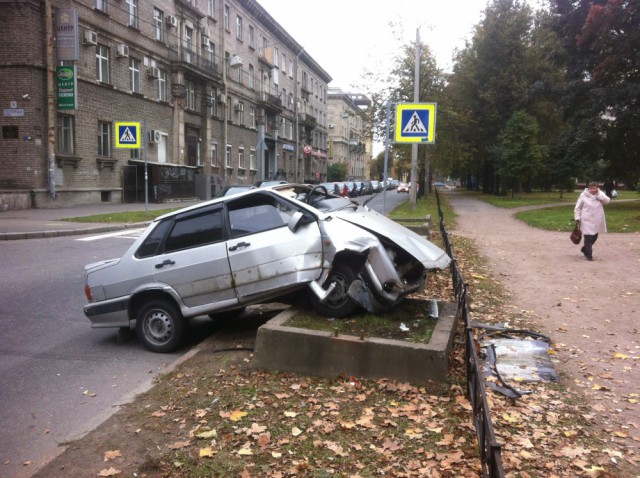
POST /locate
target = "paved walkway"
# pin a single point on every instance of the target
(589, 309)
(39, 223)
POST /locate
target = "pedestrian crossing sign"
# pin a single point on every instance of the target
(128, 135)
(415, 123)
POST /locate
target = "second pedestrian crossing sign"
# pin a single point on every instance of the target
(128, 135)
(415, 123)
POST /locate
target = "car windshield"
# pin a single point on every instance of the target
(319, 196)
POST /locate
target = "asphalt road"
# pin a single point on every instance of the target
(58, 377)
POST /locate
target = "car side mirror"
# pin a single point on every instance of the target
(298, 219)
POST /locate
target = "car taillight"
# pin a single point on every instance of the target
(87, 292)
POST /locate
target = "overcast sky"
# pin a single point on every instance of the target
(348, 36)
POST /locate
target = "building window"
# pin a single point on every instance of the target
(191, 95)
(276, 60)
(227, 156)
(229, 118)
(284, 64)
(252, 159)
(226, 18)
(162, 85)
(239, 27)
(135, 154)
(252, 37)
(65, 134)
(134, 75)
(213, 149)
(188, 44)
(252, 117)
(290, 68)
(252, 78)
(102, 63)
(213, 101)
(240, 111)
(104, 139)
(101, 5)
(158, 23)
(241, 158)
(133, 13)
(211, 8)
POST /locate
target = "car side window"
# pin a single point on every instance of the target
(195, 230)
(150, 245)
(249, 216)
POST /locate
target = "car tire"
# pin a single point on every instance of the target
(338, 304)
(160, 326)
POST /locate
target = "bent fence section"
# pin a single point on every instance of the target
(490, 450)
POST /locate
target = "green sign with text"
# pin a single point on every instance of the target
(66, 87)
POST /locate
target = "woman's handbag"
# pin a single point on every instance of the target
(576, 235)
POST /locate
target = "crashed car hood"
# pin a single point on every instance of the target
(430, 255)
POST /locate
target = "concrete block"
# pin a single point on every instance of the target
(320, 353)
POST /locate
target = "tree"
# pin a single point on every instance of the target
(519, 156)
(336, 172)
(602, 41)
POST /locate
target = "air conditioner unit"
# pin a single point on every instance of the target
(221, 98)
(331, 126)
(205, 42)
(239, 107)
(171, 21)
(205, 31)
(153, 72)
(122, 51)
(155, 136)
(90, 38)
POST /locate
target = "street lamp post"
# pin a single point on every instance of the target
(295, 109)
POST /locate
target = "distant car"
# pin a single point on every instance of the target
(402, 188)
(267, 182)
(256, 247)
(229, 190)
(439, 184)
(375, 187)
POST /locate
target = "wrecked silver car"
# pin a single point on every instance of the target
(255, 247)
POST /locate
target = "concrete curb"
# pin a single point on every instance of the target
(14, 236)
(320, 353)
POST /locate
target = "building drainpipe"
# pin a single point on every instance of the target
(297, 119)
(51, 112)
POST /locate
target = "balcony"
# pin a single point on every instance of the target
(194, 62)
(307, 121)
(270, 102)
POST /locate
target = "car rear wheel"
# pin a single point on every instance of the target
(160, 326)
(338, 304)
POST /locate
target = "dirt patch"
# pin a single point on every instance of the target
(589, 309)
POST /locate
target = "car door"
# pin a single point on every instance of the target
(194, 260)
(267, 258)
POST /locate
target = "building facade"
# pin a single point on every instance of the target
(216, 92)
(349, 137)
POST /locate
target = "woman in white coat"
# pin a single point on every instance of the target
(589, 213)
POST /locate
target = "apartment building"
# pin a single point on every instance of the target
(350, 140)
(122, 100)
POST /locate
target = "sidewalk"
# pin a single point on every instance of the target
(43, 223)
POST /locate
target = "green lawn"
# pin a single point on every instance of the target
(623, 213)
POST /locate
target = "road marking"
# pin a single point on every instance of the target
(124, 234)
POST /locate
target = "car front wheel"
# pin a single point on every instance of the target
(338, 304)
(160, 326)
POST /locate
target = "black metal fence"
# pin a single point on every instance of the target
(490, 450)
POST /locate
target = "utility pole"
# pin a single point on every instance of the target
(414, 146)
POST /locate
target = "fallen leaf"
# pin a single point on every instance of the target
(207, 434)
(237, 415)
(111, 454)
(109, 472)
(207, 451)
(179, 444)
(295, 431)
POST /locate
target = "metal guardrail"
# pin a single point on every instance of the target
(490, 450)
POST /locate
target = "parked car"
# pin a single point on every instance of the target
(268, 182)
(375, 187)
(229, 190)
(256, 247)
(366, 187)
(403, 188)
